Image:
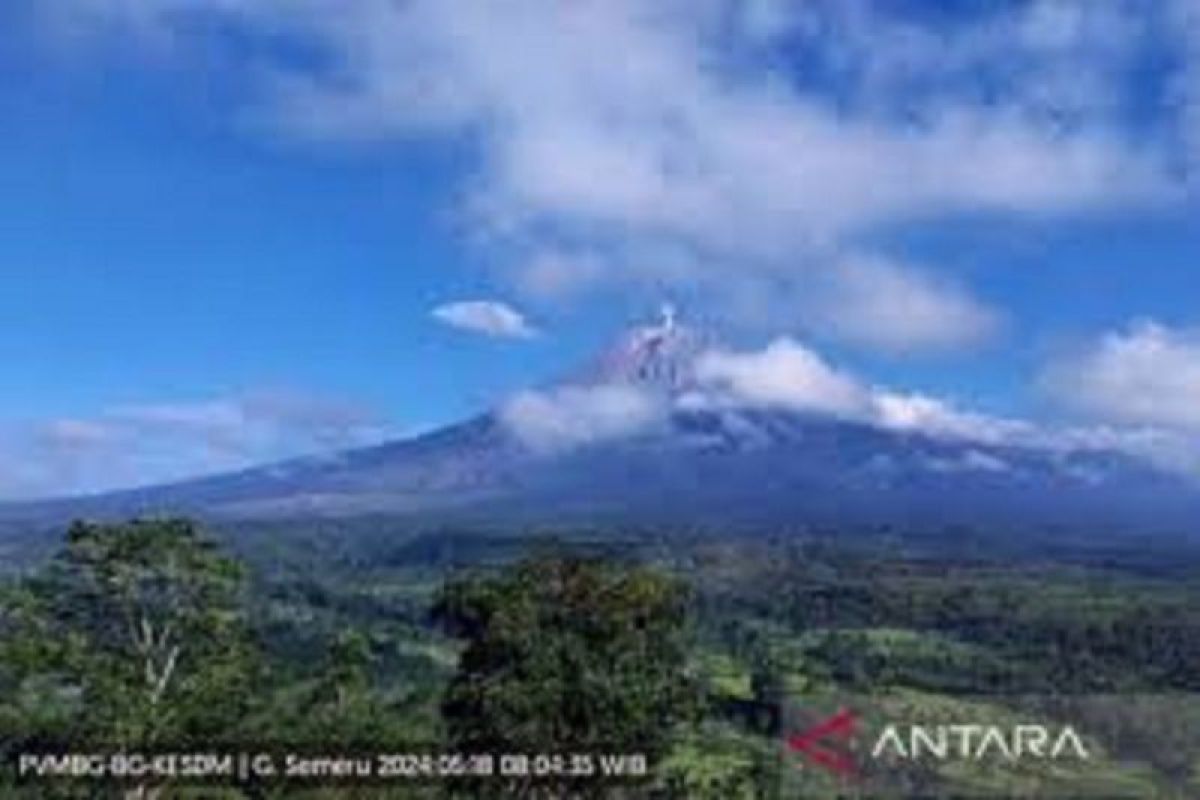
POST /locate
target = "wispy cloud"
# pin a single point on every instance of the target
(899, 309)
(144, 444)
(487, 317)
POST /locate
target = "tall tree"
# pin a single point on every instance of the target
(568, 656)
(142, 622)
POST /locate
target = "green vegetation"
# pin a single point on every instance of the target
(701, 652)
(568, 656)
(139, 630)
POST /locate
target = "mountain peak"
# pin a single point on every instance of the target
(660, 355)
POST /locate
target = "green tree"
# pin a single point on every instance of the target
(566, 655)
(139, 626)
(343, 707)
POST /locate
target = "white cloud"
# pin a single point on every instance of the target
(139, 445)
(892, 308)
(790, 376)
(1147, 374)
(665, 140)
(920, 413)
(572, 416)
(626, 128)
(786, 375)
(489, 317)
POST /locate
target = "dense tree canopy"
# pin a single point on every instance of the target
(568, 655)
(140, 625)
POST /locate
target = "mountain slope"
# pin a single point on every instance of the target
(696, 463)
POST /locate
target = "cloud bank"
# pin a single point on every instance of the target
(787, 375)
(738, 149)
(791, 376)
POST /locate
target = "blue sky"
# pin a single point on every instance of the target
(235, 231)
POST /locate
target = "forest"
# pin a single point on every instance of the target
(379, 658)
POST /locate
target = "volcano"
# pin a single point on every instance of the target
(632, 437)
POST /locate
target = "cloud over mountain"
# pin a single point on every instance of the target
(789, 375)
(570, 416)
(786, 375)
(1147, 374)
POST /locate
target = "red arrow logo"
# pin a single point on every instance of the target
(840, 727)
